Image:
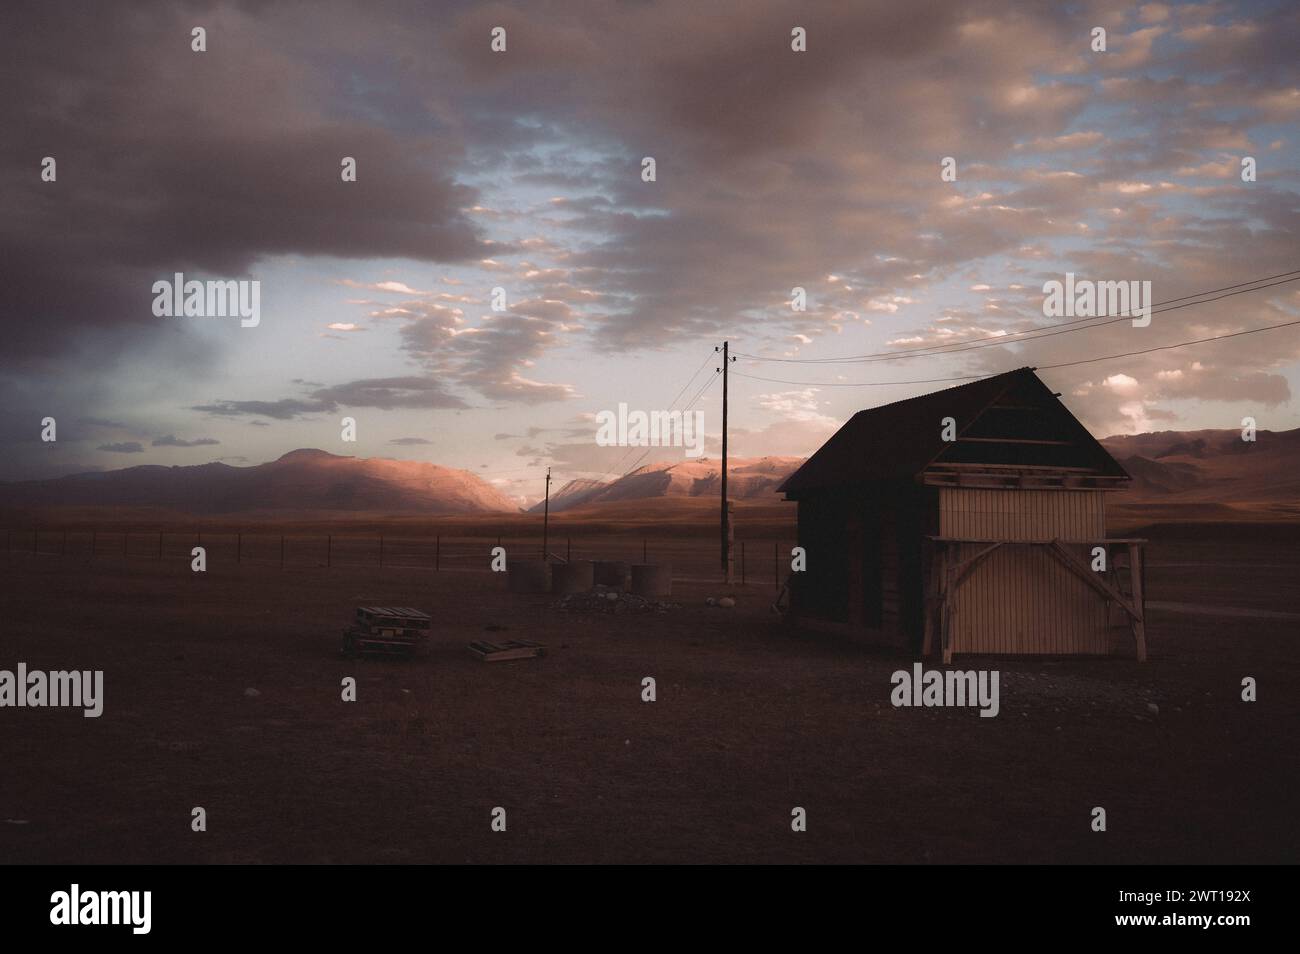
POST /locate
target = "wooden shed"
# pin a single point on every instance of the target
(970, 520)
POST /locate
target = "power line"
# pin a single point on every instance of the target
(1015, 337)
(1181, 344)
(627, 453)
(1064, 364)
(689, 405)
(707, 384)
(707, 358)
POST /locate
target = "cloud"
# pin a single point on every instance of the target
(409, 441)
(252, 153)
(775, 170)
(387, 394)
(125, 447)
(173, 441)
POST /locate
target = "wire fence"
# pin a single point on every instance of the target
(756, 562)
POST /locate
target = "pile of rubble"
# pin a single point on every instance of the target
(605, 599)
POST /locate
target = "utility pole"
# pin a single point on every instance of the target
(726, 516)
(546, 514)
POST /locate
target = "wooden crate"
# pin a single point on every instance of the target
(358, 641)
(510, 649)
(396, 618)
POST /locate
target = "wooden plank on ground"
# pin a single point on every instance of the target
(502, 652)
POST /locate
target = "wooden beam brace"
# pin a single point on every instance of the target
(1085, 573)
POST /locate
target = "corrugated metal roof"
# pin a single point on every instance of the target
(899, 441)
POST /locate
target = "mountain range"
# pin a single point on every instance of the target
(300, 480)
(1168, 467)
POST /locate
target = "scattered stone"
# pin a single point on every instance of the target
(251, 692)
(602, 600)
(726, 602)
(1153, 708)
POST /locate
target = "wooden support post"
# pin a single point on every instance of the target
(945, 618)
(955, 574)
(742, 562)
(93, 534)
(933, 594)
(776, 563)
(643, 551)
(239, 546)
(329, 549)
(63, 547)
(437, 552)
(381, 549)
(1139, 601)
(282, 551)
(568, 549)
(160, 538)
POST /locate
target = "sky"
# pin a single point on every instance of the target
(522, 170)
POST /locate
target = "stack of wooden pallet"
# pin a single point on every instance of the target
(387, 630)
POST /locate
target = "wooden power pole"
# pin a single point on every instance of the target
(546, 515)
(725, 524)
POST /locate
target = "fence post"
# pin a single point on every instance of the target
(568, 549)
(93, 534)
(643, 551)
(239, 546)
(36, 535)
(63, 547)
(437, 552)
(381, 549)
(160, 533)
(742, 562)
(282, 551)
(776, 563)
(329, 548)
(126, 539)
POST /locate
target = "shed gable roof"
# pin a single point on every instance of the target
(1010, 420)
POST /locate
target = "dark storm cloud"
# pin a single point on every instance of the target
(171, 160)
(410, 441)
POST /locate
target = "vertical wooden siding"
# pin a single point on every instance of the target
(1020, 599)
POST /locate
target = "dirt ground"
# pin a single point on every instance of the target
(750, 722)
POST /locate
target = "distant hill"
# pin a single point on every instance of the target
(1210, 466)
(300, 480)
(747, 479)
